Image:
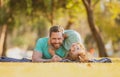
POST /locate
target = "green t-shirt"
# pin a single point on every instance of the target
(42, 46)
(72, 37)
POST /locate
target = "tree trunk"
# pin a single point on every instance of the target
(5, 41)
(69, 24)
(95, 32)
(0, 30)
(0, 2)
(2, 40)
(52, 12)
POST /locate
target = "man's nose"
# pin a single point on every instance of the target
(57, 41)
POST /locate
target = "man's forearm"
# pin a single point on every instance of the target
(41, 60)
(55, 58)
(37, 57)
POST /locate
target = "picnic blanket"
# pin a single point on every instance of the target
(102, 60)
(7, 59)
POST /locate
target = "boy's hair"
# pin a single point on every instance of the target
(81, 57)
(56, 29)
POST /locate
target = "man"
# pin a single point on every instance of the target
(41, 52)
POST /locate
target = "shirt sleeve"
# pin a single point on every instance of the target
(39, 46)
(73, 37)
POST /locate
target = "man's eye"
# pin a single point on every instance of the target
(53, 38)
(59, 38)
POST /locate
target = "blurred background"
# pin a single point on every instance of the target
(22, 22)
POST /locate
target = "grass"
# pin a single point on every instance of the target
(60, 69)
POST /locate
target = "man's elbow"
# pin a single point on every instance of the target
(34, 59)
(36, 56)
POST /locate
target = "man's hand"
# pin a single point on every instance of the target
(56, 58)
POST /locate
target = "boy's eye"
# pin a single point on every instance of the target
(78, 48)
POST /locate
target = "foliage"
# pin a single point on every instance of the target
(106, 20)
(34, 16)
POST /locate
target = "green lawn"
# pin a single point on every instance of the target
(60, 69)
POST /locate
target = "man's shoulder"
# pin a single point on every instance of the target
(43, 39)
(69, 31)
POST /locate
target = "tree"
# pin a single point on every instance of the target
(4, 20)
(89, 9)
(73, 10)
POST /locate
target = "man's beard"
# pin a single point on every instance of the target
(56, 45)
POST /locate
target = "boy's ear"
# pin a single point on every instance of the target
(80, 58)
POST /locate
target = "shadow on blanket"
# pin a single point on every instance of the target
(7, 59)
(103, 60)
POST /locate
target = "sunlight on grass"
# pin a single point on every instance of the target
(60, 69)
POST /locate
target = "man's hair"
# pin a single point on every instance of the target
(56, 29)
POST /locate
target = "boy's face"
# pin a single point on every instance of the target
(75, 49)
(77, 53)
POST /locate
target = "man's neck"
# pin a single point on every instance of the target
(50, 46)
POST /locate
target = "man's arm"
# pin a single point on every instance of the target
(37, 57)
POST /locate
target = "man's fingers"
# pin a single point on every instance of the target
(56, 58)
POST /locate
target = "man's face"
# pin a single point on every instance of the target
(56, 39)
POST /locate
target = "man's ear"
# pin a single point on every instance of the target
(63, 38)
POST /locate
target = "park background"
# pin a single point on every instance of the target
(22, 22)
